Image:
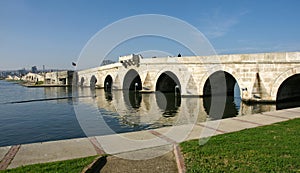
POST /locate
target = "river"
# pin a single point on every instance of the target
(40, 114)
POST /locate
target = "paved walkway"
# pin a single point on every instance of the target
(127, 143)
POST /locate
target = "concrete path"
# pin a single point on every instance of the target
(161, 163)
(124, 145)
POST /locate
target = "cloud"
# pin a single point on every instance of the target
(218, 23)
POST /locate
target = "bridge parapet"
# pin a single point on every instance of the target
(286, 57)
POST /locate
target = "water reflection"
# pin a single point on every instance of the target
(231, 108)
(108, 96)
(132, 99)
(255, 108)
(59, 92)
(130, 110)
(137, 109)
(39, 120)
(168, 102)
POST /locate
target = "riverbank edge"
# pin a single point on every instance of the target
(26, 154)
(34, 85)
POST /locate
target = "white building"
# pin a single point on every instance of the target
(59, 78)
(16, 78)
(9, 77)
(33, 77)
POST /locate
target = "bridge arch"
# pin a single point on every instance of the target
(289, 88)
(226, 70)
(281, 79)
(108, 83)
(217, 78)
(93, 81)
(289, 93)
(132, 81)
(168, 82)
(168, 99)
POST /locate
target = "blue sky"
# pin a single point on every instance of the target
(53, 32)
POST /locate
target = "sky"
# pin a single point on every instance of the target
(54, 32)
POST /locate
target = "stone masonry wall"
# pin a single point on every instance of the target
(259, 75)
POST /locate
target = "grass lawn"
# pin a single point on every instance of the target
(68, 166)
(273, 148)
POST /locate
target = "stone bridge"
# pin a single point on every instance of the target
(263, 77)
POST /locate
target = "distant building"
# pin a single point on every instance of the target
(34, 69)
(16, 78)
(106, 62)
(22, 72)
(59, 78)
(33, 77)
(9, 77)
(1, 74)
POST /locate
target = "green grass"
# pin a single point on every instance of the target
(273, 148)
(39, 83)
(68, 166)
(16, 81)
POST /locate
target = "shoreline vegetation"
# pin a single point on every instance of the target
(271, 148)
(33, 84)
(22, 82)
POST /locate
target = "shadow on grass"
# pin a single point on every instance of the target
(96, 165)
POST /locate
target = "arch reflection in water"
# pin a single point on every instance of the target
(130, 111)
(125, 112)
(232, 107)
(168, 102)
(132, 99)
(109, 96)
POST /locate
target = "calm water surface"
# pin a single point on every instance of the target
(45, 120)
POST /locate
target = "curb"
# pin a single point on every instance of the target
(179, 159)
(10, 155)
(96, 145)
